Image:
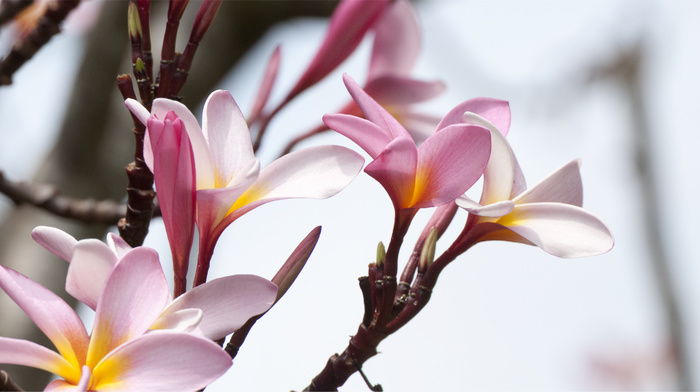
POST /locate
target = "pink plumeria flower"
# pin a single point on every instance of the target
(348, 25)
(447, 164)
(213, 310)
(229, 180)
(548, 215)
(397, 45)
(120, 353)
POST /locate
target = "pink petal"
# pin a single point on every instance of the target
(348, 25)
(449, 163)
(373, 111)
(162, 361)
(393, 90)
(118, 245)
(562, 186)
(494, 210)
(82, 385)
(55, 241)
(397, 41)
(134, 296)
(495, 111)
(183, 320)
(364, 133)
(560, 229)
(203, 162)
(49, 312)
(226, 303)
(26, 353)
(500, 173)
(92, 263)
(227, 135)
(315, 172)
(419, 125)
(175, 181)
(395, 168)
(138, 110)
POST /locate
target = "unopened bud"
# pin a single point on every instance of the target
(427, 255)
(381, 254)
(140, 65)
(134, 23)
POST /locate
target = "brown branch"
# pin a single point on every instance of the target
(47, 27)
(47, 197)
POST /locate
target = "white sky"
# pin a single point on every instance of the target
(504, 316)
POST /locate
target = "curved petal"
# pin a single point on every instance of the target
(226, 303)
(392, 90)
(395, 168)
(138, 110)
(560, 229)
(118, 245)
(363, 132)
(562, 186)
(500, 172)
(161, 361)
(419, 125)
(55, 241)
(449, 163)
(227, 135)
(50, 313)
(183, 320)
(495, 111)
(134, 295)
(26, 353)
(61, 385)
(315, 172)
(494, 210)
(91, 264)
(397, 41)
(373, 111)
(203, 162)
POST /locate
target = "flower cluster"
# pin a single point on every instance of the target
(207, 176)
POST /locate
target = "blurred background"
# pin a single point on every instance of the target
(611, 82)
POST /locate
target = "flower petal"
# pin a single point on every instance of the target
(134, 295)
(562, 186)
(449, 163)
(92, 263)
(50, 313)
(395, 168)
(183, 320)
(227, 135)
(373, 111)
(315, 172)
(397, 41)
(560, 229)
(55, 241)
(495, 111)
(226, 303)
(362, 132)
(493, 210)
(398, 90)
(26, 353)
(161, 361)
(118, 245)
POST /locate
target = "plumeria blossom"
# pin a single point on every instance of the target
(215, 309)
(229, 180)
(397, 44)
(447, 164)
(121, 353)
(548, 215)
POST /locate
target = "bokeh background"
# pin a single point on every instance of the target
(614, 83)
